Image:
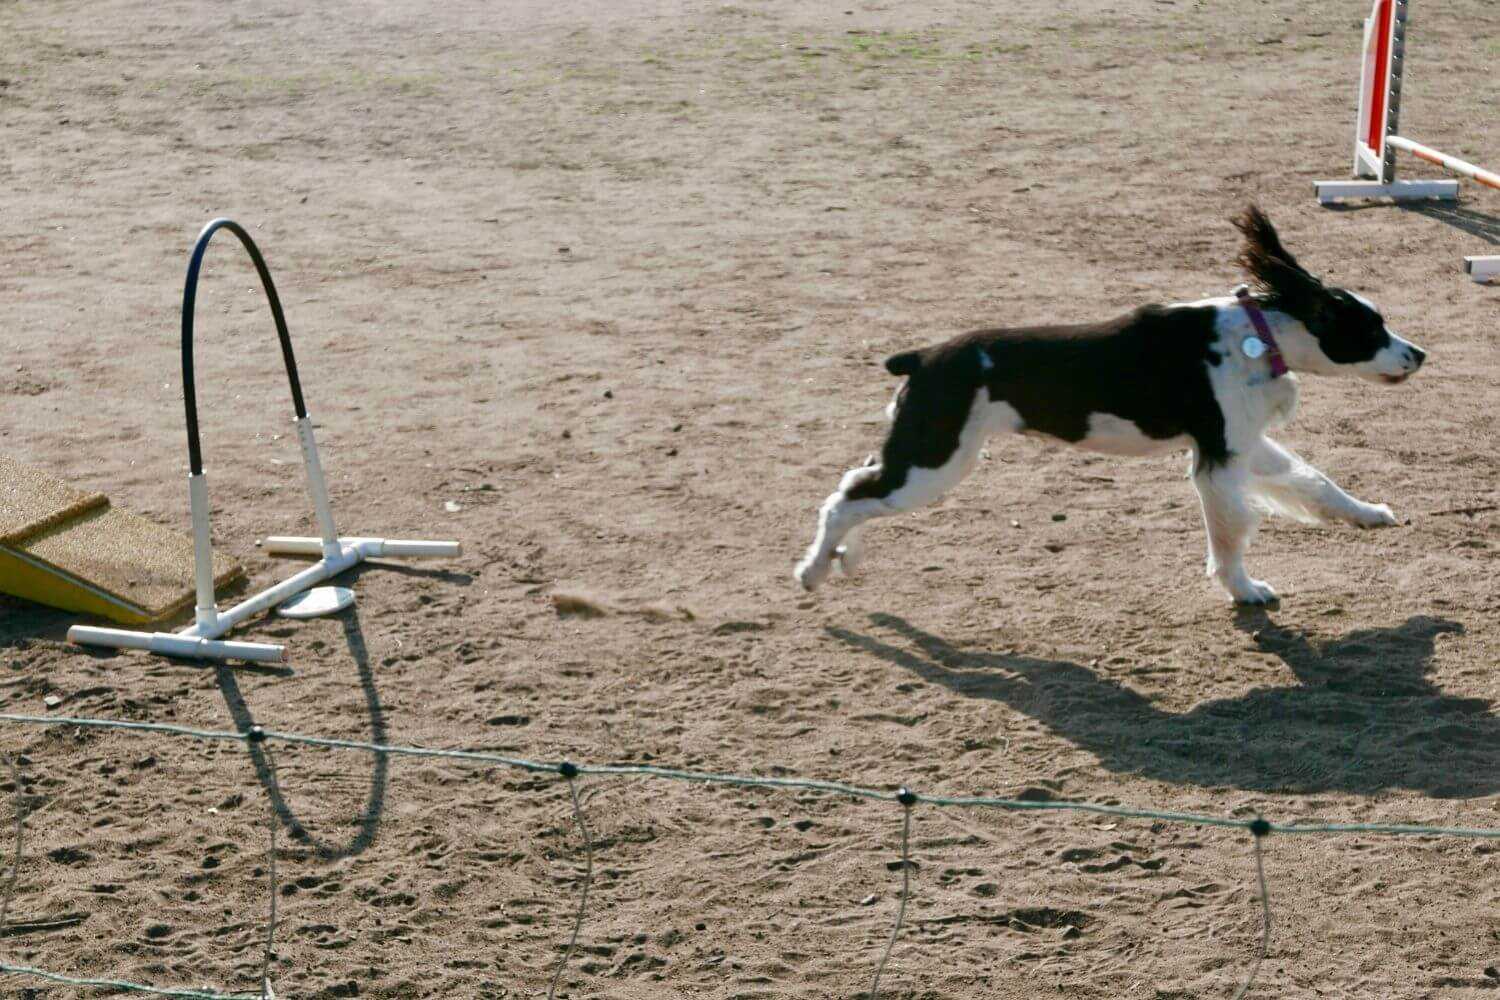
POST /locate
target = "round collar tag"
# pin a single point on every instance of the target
(1253, 347)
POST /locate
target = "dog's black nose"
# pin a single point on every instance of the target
(1417, 357)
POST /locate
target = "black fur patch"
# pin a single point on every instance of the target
(904, 364)
(1149, 367)
(925, 434)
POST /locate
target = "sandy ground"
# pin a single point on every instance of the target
(616, 278)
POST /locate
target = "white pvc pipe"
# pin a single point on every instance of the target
(295, 545)
(203, 550)
(292, 545)
(170, 644)
(292, 585)
(410, 548)
(317, 486)
(1453, 163)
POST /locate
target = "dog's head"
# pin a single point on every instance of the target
(1349, 336)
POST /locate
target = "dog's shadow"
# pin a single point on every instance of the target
(1363, 718)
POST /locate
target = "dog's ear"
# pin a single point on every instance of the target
(1271, 268)
(1261, 239)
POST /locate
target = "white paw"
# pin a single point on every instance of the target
(810, 572)
(1375, 515)
(1253, 592)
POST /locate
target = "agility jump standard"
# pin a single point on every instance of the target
(201, 639)
(1375, 138)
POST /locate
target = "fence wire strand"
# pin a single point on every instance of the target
(122, 985)
(907, 800)
(571, 773)
(749, 781)
(1259, 827)
(1259, 836)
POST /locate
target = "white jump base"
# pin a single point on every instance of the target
(1482, 268)
(201, 640)
(1376, 140)
(1332, 191)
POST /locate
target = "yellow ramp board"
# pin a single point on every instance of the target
(69, 549)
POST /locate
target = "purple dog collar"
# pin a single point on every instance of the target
(1263, 334)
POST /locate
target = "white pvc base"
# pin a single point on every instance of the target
(177, 644)
(1482, 268)
(1331, 191)
(372, 548)
(197, 641)
(317, 603)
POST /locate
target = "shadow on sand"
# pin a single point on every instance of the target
(1363, 718)
(369, 820)
(1480, 225)
(1466, 220)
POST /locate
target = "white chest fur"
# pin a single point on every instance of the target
(1251, 400)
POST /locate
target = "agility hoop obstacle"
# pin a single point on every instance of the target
(202, 639)
(1375, 138)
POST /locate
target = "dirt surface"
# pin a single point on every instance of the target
(616, 279)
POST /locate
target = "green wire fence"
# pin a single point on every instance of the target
(1258, 828)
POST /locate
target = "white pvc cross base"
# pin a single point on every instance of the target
(196, 641)
(1331, 191)
(1482, 268)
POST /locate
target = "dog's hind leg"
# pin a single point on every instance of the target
(928, 453)
(851, 551)
(838, 522)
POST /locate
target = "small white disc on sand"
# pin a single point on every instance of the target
(317, 602)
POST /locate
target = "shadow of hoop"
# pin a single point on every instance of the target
(369, 819)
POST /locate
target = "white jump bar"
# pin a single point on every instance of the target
(1453, 163)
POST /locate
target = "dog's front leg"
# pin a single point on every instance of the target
(1230, 521)
(1289, 483)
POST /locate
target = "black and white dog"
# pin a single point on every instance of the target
(1211, 376)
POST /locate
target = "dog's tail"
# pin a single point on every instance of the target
(905, 363)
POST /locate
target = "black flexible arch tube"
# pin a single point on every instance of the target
(189, 298)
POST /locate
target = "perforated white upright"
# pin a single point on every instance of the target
(1376, 140)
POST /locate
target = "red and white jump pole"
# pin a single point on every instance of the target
(1376, 140)
(202, 640)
